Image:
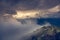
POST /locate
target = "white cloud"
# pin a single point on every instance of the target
(12, 29)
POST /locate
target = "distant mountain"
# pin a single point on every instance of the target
(45, 33)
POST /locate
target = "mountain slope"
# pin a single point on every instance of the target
(45, 33)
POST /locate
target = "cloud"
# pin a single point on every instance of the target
(10, 6)
(48, 13)
(36, 4)
(11, 29)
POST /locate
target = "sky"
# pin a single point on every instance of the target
(18, 18)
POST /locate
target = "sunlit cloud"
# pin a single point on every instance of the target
(26, 14)
(36, 13)
(55, 9)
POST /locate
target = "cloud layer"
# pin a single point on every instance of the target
(10, 28)
(10, 6)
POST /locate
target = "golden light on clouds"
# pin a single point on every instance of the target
(25, 14)
(55, 9)
(35, 13)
